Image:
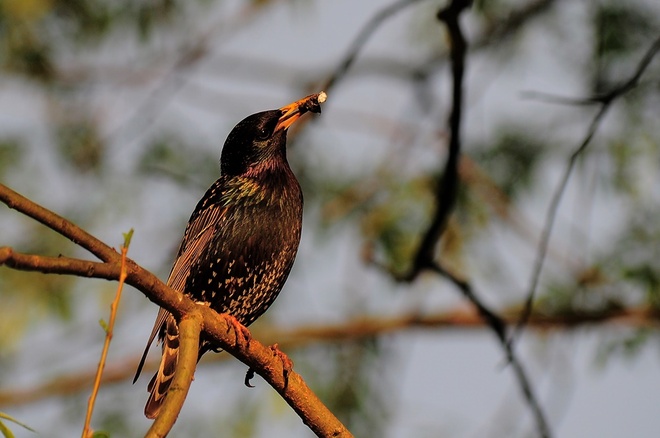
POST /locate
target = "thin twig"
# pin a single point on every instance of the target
(361, 39)
(490, 318)
(176, 78)
(59, 265)
(605, 100)
(498, 326)
(87, 432)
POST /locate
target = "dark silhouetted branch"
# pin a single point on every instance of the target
(445, 200)
(445, 197)
(498, 326)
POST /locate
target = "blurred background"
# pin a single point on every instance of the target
(113, 114)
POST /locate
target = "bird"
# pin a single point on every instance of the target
(242, 238)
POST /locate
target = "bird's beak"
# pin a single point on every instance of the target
(293, 111)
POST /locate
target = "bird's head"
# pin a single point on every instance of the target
(259, 140)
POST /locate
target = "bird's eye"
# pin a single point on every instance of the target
(263, 134)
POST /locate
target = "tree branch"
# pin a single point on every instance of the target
(258, 357)
(360, 328)
(362, 38)
(189, 331)
(498, 326)
(57, 223)
(605, 101)
(109, 329)
(445, 196)
(445, 200)
(59, 265)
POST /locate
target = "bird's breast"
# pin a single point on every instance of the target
(252, 250)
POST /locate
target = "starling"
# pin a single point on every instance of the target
(241, 239)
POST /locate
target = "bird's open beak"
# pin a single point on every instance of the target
(293, 111)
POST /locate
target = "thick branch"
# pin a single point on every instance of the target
(268, 365)
(260, 358)
(189, 331)
(57, 223)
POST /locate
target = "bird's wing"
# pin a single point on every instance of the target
(160, 320)
(198, 234)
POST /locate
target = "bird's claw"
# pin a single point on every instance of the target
(287, 364)
(242, 333)
(249, 376)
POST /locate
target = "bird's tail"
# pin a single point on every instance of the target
(162, 380)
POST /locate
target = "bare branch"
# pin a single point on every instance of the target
(498, 326)
(605, 100)
(360, 328)
(59, 265)
(268, 365)
(445, 199)
(57, 223)
(189, 331)
(490, 318)
(362, 38)
(258, 357)
(445, 196)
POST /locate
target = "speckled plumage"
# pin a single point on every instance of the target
(241, 240)
(248, 252)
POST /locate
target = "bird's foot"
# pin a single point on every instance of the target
(287, 364)
(242, 333)
(248, 377)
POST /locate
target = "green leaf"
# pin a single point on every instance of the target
(6, 432)
(13, 420)
(127, 238)
(103, 325)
